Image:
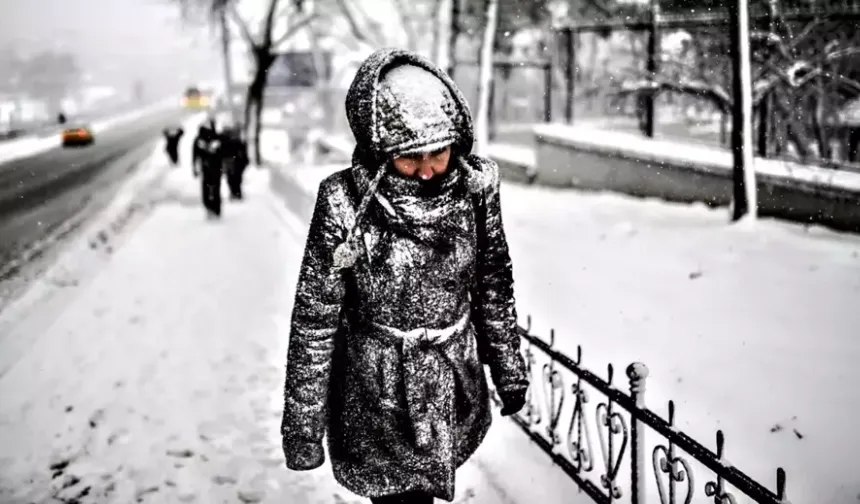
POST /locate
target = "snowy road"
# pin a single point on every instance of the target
(752, 331)
(45, 194)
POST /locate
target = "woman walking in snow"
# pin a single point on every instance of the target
(405, 292)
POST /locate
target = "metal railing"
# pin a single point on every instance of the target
(556, 418)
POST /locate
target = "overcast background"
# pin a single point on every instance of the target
(116, 41)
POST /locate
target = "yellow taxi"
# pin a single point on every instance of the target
(74, 136)
(194, 99)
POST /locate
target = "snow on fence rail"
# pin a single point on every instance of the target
(556, 418)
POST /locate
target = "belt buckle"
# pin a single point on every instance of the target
(424, 339)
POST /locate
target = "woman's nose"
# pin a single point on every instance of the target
(425, 170)
(425, 167)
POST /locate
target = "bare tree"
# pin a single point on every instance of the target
(482, 119)
(362, 28)
(414, 30)
(262, 48)
(227, 62)
(791, 72)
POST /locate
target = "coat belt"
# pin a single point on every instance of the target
(425, 372)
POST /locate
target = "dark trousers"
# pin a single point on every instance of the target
(173, 153)
(235, 174)
(211, 185)
(404, 498)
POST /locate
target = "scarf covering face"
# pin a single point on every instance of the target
(418, 209)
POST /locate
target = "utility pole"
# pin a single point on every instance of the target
(228, 65)
(743, 172)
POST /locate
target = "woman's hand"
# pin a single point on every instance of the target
(303, 455)
(513, 401)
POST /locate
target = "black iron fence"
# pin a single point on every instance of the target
(607, 454)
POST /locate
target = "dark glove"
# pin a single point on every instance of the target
(513, 400)
(303, 455)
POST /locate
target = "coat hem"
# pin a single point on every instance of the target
(373, 490)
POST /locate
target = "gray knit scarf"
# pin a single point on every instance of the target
(421, 210)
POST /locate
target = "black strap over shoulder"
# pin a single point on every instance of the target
(479, 202)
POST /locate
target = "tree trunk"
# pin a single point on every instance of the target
(819, 122)
(253, 108)
(228, 66)
(259, 92)
(453, 36)
(258, 128)
(249, 104)
(482, 129)
(744, 180)
(442, 34)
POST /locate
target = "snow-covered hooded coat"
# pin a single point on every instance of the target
(401, 300)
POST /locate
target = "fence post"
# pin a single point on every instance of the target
(570, 44)
(547, 92)
(637, 373)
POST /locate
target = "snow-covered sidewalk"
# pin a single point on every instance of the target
(161, 379)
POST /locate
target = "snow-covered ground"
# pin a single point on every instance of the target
(160, 376)
(750, 329)
(29, 146)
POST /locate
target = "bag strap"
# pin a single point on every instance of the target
(479, 202)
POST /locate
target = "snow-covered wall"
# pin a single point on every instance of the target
(593, 159)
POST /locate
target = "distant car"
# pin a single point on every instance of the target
(77, 136)
(195, 99)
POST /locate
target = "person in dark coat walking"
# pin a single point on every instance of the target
(211, 161)
(235, 154)
(405, 292)
(172, 136)
(205, 134)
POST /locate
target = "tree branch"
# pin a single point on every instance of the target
(354, 27)
(243, 27)
(372, 24)
(295, 28)
(407, 22)
(268, 23)
(714, 93)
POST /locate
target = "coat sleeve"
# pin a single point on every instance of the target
(496, 311)
(315, 318)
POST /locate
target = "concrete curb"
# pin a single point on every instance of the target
(298, 200)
